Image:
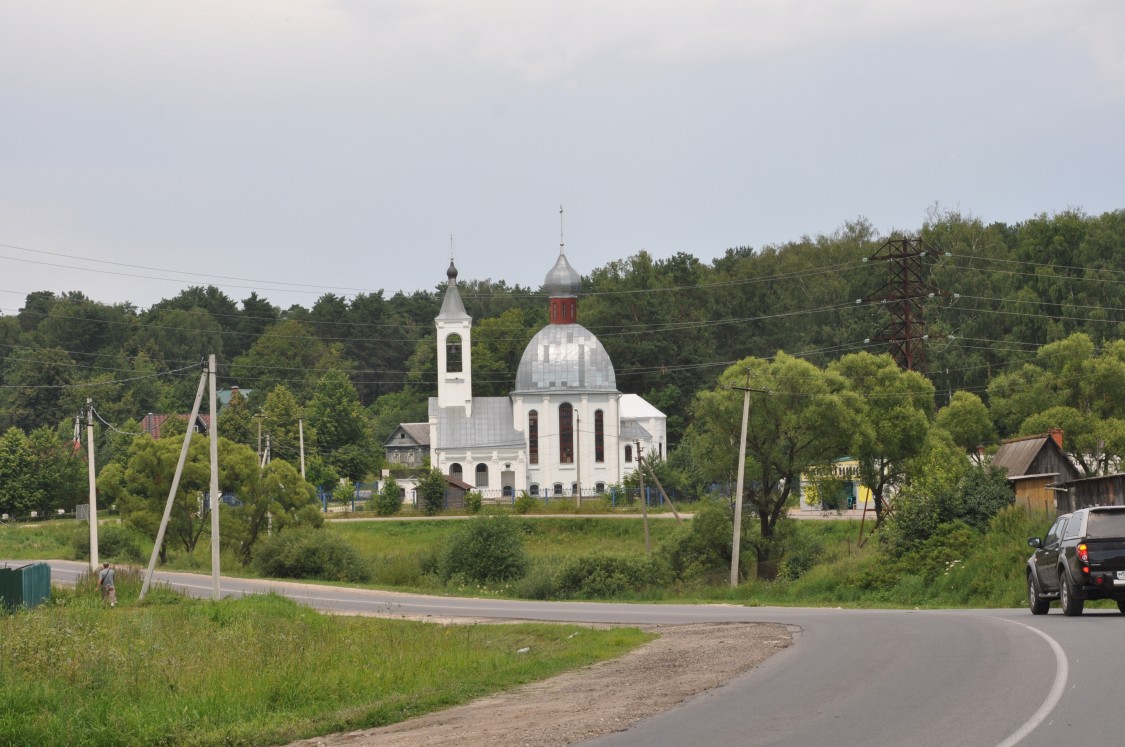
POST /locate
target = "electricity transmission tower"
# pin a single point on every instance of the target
(904, 296)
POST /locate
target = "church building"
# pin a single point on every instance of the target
(564, 427)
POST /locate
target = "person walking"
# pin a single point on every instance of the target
(105, 583)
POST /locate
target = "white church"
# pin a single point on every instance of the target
(564, 429)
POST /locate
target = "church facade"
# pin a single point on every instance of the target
(564, 429)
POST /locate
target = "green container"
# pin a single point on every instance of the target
(25, 586)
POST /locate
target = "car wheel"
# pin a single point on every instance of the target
(1071, 607)
(1035, 604)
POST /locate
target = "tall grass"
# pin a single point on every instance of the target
(259, 670)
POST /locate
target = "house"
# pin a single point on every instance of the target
(152, 424)
(1037, 467)
(409, 445)
(223, 396)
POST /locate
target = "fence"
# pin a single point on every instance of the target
(360, 492)
(616, 497)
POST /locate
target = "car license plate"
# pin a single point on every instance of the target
(1121, 575)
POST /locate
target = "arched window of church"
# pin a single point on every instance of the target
(533, 437)
(533, 490)
(628, 453)
(566, 433)
(558, 488)
(482, 475)
(507, 491)
(599, 436)
(574, 488)
(453, 354)
(599, 487)
(455, 471)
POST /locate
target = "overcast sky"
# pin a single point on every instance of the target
(302, 148)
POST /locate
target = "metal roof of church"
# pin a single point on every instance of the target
(564, 357)
(489, 426)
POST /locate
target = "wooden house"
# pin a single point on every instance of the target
(1037, 469)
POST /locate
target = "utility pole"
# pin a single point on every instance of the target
(175, 486)
(266, 453)
(644, 499)
(258, 416)
(93, 484)
(301, 433)
(213, 433)
(739, 482)
(904, 296)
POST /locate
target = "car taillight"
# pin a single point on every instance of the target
(1083, 553)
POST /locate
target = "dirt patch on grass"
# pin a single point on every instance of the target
(589, 702)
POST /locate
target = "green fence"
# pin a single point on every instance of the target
(24, 586)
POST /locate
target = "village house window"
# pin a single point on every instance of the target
(566, 433)
(453, 354)
(482, 475)
(533, 437)
(599, 436)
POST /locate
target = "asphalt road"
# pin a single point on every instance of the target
(852, 677)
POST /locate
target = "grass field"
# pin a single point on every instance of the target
(824, 562)
(259, 670)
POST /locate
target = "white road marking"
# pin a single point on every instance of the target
(1062, 673)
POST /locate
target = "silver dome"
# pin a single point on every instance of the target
(565, 357)
(562, 280)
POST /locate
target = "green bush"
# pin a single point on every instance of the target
(431, 492)
(524, 503)
(388, 501)
(115, 541)
(704, 545)
(483, 549)
(473, 502)
(605, 576)
(310, 553)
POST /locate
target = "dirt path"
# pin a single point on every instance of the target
(589, 702)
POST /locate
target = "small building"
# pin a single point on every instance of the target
(409, 445)
(1104, 490)
(1036, 467)
(842, 478)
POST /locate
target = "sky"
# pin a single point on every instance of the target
(346, 146)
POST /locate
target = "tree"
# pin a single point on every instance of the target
(431, 492)
(967, 420)
(281, 416)
(140, 488)
(342, 427)
(287, 353)
(894, 408)
(804, 418)
(945, 488)
(236, 422)
(36, 379)
(272, 498)
(389, 499)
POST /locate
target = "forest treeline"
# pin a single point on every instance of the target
(671, 326)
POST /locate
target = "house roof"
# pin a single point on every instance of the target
(152, 423)
(489, 426)
(419, 433)
(1016, 455)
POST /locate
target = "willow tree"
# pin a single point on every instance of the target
(800, 416)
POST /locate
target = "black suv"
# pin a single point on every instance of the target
(1082, 557)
